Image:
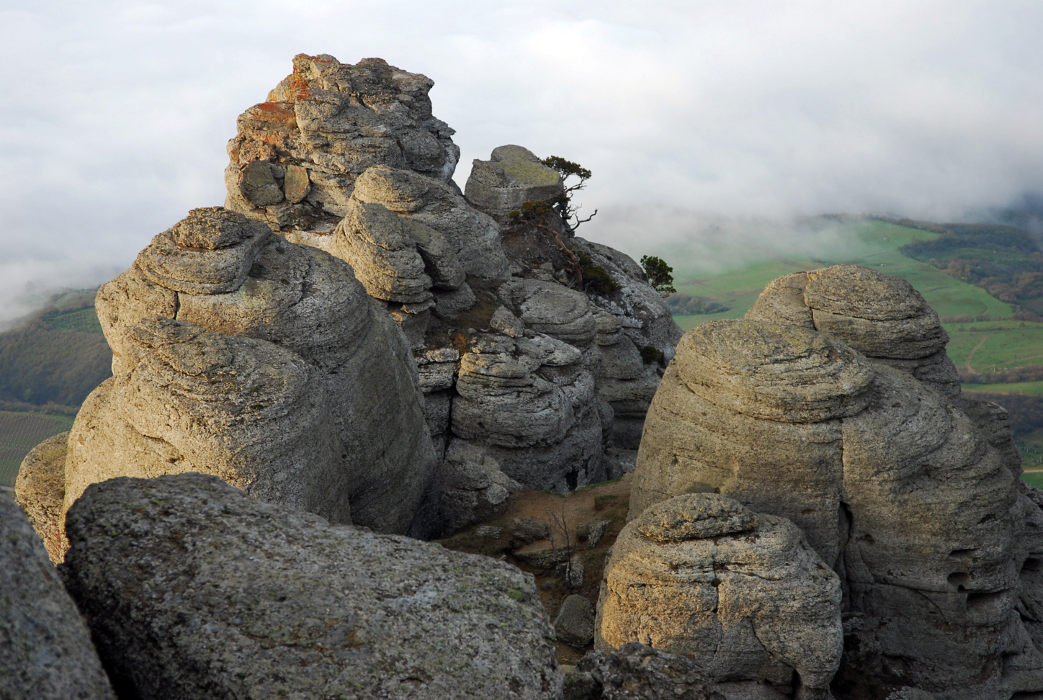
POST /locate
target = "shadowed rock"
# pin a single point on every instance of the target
(194, 590)
(46, 647)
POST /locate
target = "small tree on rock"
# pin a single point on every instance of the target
(566, 169)
(660, 275)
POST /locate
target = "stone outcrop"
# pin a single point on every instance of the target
(295, 157)
(881, 316)
(480, 295)
(240, 354)
(512, 176)
(192, 589)
(914, 502)
(40, 491)
(740, 594)
(46, 647)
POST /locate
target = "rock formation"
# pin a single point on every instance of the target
(265, 362)
(517, 356)
(192, 589)
(835, 410)
(740, 594)
(46, 647)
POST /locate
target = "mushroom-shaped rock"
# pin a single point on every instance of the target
(47, 650)
(738, 592)
(512, 176)
(295, 157)
(881, 316)
(192, 589)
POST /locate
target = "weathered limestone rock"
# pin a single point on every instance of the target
(346, 422)
(741, 594)
(475, 488)
(46, 647)
(637, 672)
(40, 491)
(881, 316)
(913, 501)
(574, 624)
(530, 404)
(247, 410)
(512, 176)
(295, 157)
(191, 589)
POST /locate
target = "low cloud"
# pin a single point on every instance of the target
(688, 114)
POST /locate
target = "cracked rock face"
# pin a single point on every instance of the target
(739, 593)
(912, 500)
(192, 589)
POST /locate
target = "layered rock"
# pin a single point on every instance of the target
(459, 275)
(295, 157)
(881, 316)
(512, 176)
(240, 354)
(912, 502)
(740, 594)
(192, 589)
(47, 650)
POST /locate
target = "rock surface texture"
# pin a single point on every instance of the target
(46, 647)
(192, 589)
(240, 354)
(832, 409)
(518, 355)
(740, 594)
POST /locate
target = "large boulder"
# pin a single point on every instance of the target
(240, 354)
(911, 500)
(740, 593)
(512, 176)
(45, 646)
(192, 589)
(40, 491)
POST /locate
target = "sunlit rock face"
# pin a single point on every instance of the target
(516, 356)
(739, 593)
(909, 498)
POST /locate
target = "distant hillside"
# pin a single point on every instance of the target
(57, 356)
(1004, 260)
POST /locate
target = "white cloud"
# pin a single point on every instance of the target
(116, 113)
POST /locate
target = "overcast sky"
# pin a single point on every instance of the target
(116, 114)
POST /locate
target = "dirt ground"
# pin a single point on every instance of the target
(566, 522)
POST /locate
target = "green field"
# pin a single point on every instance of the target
(21, 432)
(873, 244)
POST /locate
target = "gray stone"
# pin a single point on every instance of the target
(638, 672)
(512, 176)
(740, 593)
(46, 647)
(574, 624)
(193, 590)
(258, 184)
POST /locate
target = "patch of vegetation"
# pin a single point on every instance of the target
(1004, 260)
(660, 275)
(21, 431)
(564, 206)
(594, 278)
(57, 356)
(686, 304)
